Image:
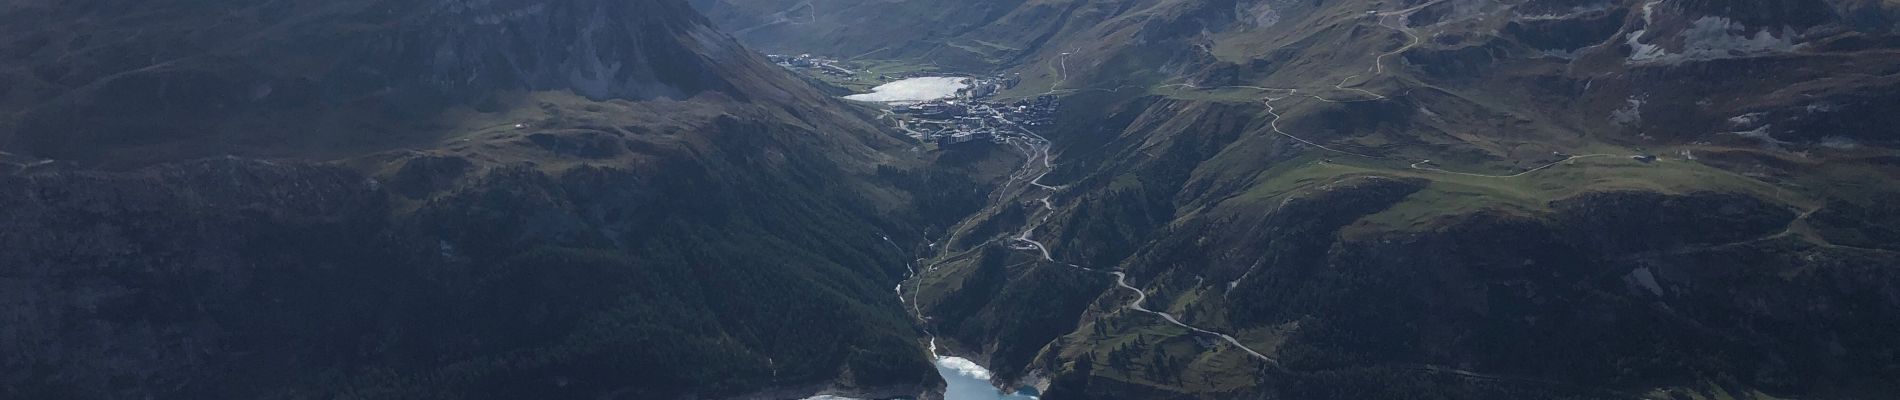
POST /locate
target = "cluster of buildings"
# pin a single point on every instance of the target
(983, 88)
(966, 120)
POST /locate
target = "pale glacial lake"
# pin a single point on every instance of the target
(914, 90)
(967, 381)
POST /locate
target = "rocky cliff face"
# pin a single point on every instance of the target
(599, 49)
(448, 199)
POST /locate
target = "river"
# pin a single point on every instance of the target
(964, 379)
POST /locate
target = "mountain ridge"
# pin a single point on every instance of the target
(445, 199)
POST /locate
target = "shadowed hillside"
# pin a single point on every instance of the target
(435, 199)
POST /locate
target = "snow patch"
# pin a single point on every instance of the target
(1640, 51)
(1713, 37)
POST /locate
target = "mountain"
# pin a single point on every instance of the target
(1366, 199)
(1416, 199)
(438, 199)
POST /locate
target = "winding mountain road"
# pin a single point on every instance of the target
(1141, 296)
(1038, 152)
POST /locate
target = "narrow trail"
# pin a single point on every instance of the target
(1275, 125)
(1141, 297)
(1421, 166)
(1378, 63)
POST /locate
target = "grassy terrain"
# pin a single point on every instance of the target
(1454, 194)
(1224, 95)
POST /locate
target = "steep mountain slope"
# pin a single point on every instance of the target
(436, 199)
(970, 36)
(1436, 199)
(1496, 275)
(213, 73)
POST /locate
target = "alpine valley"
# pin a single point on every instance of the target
(1129, 199)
